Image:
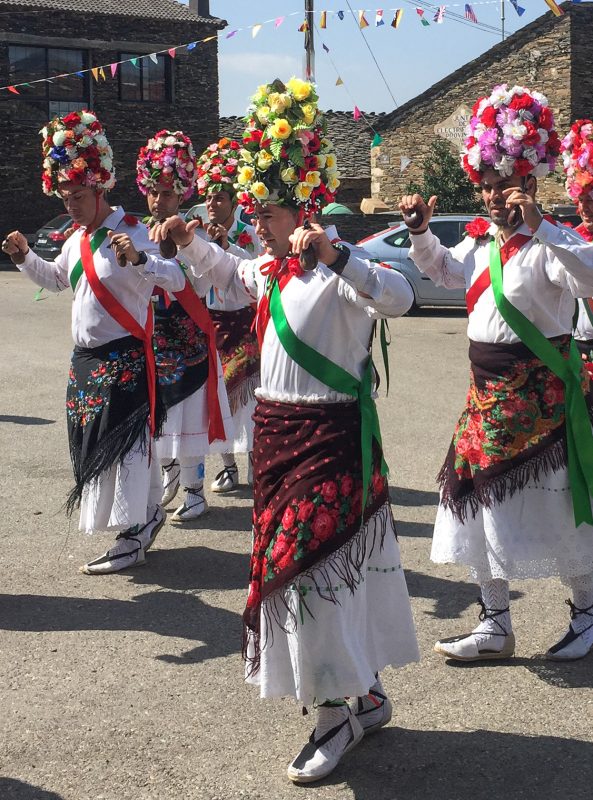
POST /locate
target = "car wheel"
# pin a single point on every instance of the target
(414, 308)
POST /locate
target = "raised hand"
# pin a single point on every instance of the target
(515, 198)
(180, 231)
(219, 234)
(414, 204)
(315, 236)
(15, 245)
(123, 247)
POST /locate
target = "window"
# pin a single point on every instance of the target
(447, 232)
(27, 64)
(145, 81)
(398, 239)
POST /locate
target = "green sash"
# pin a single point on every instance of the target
(579, 436)
(97, 240)
(336, 378)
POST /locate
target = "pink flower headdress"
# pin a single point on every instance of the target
(577, 153)
(167, 158)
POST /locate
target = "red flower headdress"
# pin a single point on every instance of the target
(577, 154)
(217, 168)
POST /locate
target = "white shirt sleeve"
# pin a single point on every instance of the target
(382, 292)
(162, 272)
(233, 274)
(51, 275)
(443, 266)
(571, 262)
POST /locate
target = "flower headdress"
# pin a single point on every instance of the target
(512, 132)
(286, 157)
(217, 168)
(577, 153)
(167, 158)
(75, 149)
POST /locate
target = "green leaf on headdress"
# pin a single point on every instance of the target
(277, 85)
(295, 153)
(300, 126)
(276, 148)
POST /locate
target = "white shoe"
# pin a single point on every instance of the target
(226, 481)
(129, 549)
(170, 473)
(373, 711)
(337, 732)
(193, 506)
(574, 645)
(477, 646)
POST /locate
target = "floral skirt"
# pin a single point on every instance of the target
(308, 520)
(511, 430)
(107, 409)
(239, 353)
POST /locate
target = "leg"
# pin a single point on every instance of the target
(228, 478)
(192, 480)
(493, 637)
(170, 480)
(373, 710)
(579, 639)
(337, 731)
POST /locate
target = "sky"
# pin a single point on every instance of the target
(411, 57)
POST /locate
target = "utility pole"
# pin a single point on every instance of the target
(502, 18)
(309, 41)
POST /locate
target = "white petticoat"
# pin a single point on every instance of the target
(529, 535)
(185, 432)
(243, 428)
(337, 652)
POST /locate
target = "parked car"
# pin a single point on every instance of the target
(199, 210)
(49, 239)
(392, 247)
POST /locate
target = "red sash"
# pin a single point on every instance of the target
(123, 317)
(584, 232)
(274, 270)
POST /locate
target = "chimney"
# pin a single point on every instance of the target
(200, 7)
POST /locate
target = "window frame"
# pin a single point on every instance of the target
(46, 97)
(125, 56)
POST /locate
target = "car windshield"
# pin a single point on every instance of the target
(57, 222)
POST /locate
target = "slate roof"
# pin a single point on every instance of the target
(170, 10)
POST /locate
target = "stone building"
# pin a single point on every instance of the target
(551, 54)
(40, 38)
(352, 139)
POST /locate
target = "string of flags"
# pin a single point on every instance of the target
(100, 72)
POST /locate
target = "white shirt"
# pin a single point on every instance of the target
(326, 311)
(132, 286)
(216, 298)
(583, 330)
(542, 279)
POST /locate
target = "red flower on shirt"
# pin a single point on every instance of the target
(478, 228)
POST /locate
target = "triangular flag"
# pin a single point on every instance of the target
(340, 15)
(102, 73)
(304, 27)
(231, 34)
(356, 113)
(209, 38)
(339, 81)
(519, 9)
(362, 20)
(192, 45)
(325, 47)
(440, 14)
(154, 58)
(278, 21)
(420, 12)
(113, 68)
(397, 17)
(379, 18)
(376, 140)
(172, 51)
(95, 72)
(80, 74)
(323, 19)
(134, 62)
(554, 8)
(255, 30)
(13, 90)
(404, 163)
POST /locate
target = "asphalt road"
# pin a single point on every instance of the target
(130, 686)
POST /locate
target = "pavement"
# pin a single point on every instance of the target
(130, 686)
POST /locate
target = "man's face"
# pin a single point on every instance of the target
(163, 202)
(220, 207)
(585, 209)
(274, 224)
(493, 185)
(80, 202)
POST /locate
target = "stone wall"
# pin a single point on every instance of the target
(551, 54)
(194, 106)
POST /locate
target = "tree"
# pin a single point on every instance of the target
(444, 176)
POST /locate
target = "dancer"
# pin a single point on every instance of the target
(112, 402)
(328, 606)
(188, 367)
(516, 483)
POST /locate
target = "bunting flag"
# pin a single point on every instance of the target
(440, 14)
(362, 20)
(172, 52)
(13, 90)
(555, 8)
(323, 19)
(376, 140)
(519, 9)
(339, 82)
(304, 27)
(102, 73)
(356, 113)
(255, 30)
(404, 163)
(231, 34)
(470, 14)
(192, 45)
(95, 72)
(397, 17)
(379, 18)
(113, 68)
(325, 47)
(278, 21)
(340, 15)
(134, 62)
(420, 12)
(154, 58)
